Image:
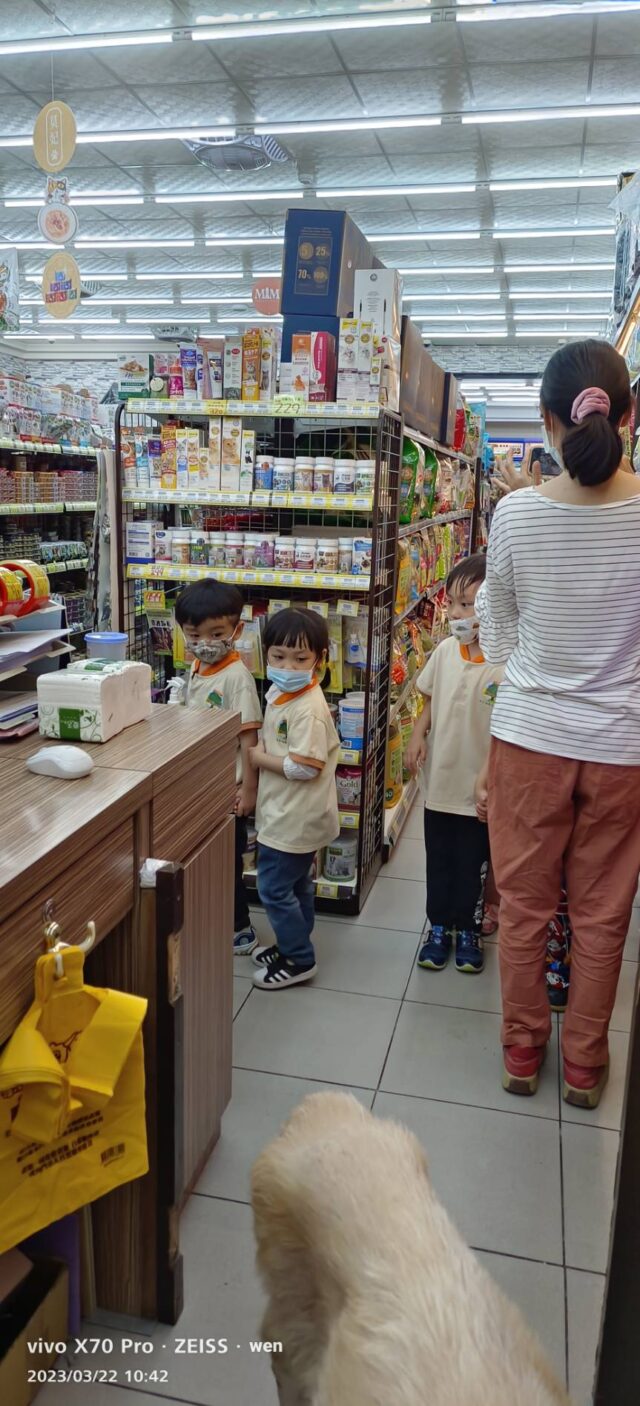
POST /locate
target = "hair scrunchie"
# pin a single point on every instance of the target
(591, 401)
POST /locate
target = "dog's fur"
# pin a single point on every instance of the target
(372, 1292)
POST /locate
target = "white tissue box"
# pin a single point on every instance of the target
(93, 699)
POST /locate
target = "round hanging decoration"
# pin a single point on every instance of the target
(61, 285)
(265, 293)
(57, 223)
(54, 137)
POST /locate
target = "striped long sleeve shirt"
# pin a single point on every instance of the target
(561, 608)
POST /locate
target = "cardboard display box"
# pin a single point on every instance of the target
(449, 407)
(421, 384)
(36, 1311)
(322, 250)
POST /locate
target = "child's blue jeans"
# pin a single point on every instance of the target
(286, 891)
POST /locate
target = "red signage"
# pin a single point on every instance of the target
(265, 294)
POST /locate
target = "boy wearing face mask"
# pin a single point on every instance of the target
(208, 613)
(450, 743)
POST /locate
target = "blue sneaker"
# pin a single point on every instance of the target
(469, 952)
(244, 943)
(435, 951)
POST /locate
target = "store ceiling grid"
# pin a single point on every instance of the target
(538, 241)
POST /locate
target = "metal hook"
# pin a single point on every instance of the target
(56, 944)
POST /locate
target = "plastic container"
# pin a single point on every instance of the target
(323, 476)
(234, 549)
(348, 786)
(327, 554)
(283, 475)
(199, 547)
(341, 857)
(217, 548)
(181, 547)
(351, 719)
(345, 554)
(263, 472)
(303, 476)
(344, 475)
(106, 644)
(265, 555)
(252, 542)
(163, 538)
(361, 560)
(305, 554)
(285, 553)
(365, 475)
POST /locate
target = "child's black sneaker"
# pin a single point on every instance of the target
(435, 951)
(261, 956)
(244, 942)
(279, 972)
(469, 951)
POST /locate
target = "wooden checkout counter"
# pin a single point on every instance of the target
(162, 789)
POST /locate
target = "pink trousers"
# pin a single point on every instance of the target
(549, 815)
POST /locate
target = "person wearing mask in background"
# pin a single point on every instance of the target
(560, 609)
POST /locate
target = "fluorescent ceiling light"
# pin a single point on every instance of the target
(27, 244)
(438, 336)
(203, 302)
(275, 317)
(482, 12)
(550, 114)
(575, 232)
(82, 322)
(450, 297)
(346, 124)
(438, 270)
(345, 192)
(42, 336)
(137, 134)
(557, 334)
(423, 237)
(124, 335)
(83, 41)
(460, 317)
(173, 275)
(103, 277)
(226, 196)
(572, 183)
(325, 24)
(238, 242)
(560, 316)
(163, 319)
(131, 302)
(566, 267)
(134, 243)
(78, 200)
(568, 296)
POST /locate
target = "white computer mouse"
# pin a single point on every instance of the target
(67, 762)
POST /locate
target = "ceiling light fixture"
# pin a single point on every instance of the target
(425, 321)
(274, 317)
(590, 316)
(102, 277)
(583, 112)
(569, 294)
(557, 334)
(450, 297)
(424, 237)
(346, 192)
(439, 270)
(344, 124)
(27, 244)
(241, 241)
(77, 200)
(175, 275)
(133, 244)
(136, 134)
(230, 195)
(325, 24)
(543, 9)
(570, 266)
(203, 302)
(438, 336)
(132, 302)
(571, 183)
(575, 232)
(124, 335)
(163, 319)
(83, 41)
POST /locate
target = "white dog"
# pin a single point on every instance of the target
(372, 1292)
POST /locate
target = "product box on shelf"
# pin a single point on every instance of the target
(215, 453)
(268, 363)
(421, 383)
(160, 375)
(169, 458)
(377, 298)
(449, 407)
(233, 368)
(140, 540)
(213, 355)
(300, 359)
(384, 382)
(322, 367)
(322, 250)
(231, 454)
(182, 457)
(189, 367)
(251, 368)
(292, 324)
(134, 374)
(247, 460)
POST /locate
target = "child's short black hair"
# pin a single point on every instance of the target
(208, 600)
(297, 627)
(467, 573)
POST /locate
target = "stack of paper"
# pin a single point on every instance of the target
(19, 648)
(18, 715)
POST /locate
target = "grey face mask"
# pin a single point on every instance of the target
(211, 651)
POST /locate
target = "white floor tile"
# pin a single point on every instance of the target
(456, 1055)
(608, 1114)
(585, 1296)
(399, 904)
(242, 988)
(497, 1174)
(589, 1157)
(625, 997)
(538, 1291)
(413, 828)
(632, 945)
(453, 988)
(372, 961)
(315, 1034)
(407, 860)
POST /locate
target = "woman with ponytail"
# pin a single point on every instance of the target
(561, 608)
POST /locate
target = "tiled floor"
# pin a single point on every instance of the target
(528, 1181)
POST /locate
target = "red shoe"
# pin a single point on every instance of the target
(522, 1064)
(490, 919)
(583, 1086)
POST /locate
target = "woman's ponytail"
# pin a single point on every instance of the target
(586, 386)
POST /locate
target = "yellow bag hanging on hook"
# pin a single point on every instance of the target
(72, 1107)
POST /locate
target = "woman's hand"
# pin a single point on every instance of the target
(508, 479)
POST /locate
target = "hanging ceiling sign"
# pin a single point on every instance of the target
(61, 285)
(57, 223)
(57, 192)
(9, 291)
(54, 137)
(265, 294)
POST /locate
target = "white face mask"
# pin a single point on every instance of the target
(465, 631)
(550, 447)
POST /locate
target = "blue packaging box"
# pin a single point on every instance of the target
(322, 250)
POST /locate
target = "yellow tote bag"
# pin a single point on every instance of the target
(72, 1107)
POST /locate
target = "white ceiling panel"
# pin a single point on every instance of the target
(422, 91)
(82, 17)
(436, 46)
(251, 60)
(528, 44)
(548, 84)
(619, 76)
(618, 36)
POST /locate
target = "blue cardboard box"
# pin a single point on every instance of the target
(322, 250)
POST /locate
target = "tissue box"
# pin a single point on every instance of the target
(93, 699)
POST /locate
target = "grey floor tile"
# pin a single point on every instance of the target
(326, 1035)
(585, 1295)
(407, 860)
(395, 903)
(443, 1053)
(632, 945)
(453, 988)
(589, 1157)
(538, 1291)
(259, 1105)
(413, 828)
(625, 997)
(372, 961)
(608, 1114)
(497, 1174)
(241, 989)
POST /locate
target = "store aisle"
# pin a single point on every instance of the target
(529, 1182)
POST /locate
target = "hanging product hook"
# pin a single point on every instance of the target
(55, 942)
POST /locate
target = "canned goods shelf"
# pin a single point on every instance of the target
(262, 576)
(78, 564)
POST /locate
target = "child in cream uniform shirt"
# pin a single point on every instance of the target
(450, 741)
(297, 811)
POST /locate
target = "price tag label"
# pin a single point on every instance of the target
(230, 574)
(343, 500)
(362, 500)
(193, 573)
(261, 498)
(286, 578)
(349, 819)
(279, 499)
(302, 500)
(348, 607)
(249, 577)
(242, 499)
(307, 578)
(325, 890)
